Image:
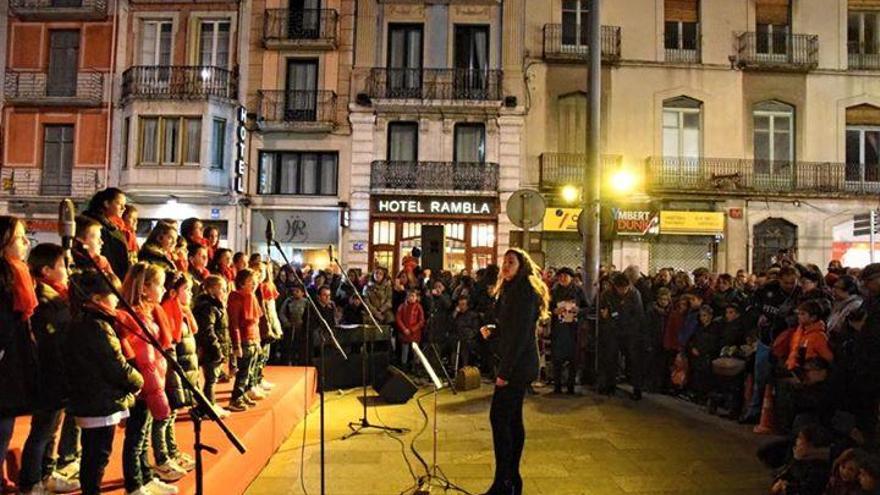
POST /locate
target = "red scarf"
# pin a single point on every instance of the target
(61, 289)
(177, 316)
(250, 307)
(201, 272)
(181, 263)
(24, 296)
(130, 237)
(228, 273)
(268, 291)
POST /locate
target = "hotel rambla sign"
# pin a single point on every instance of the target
(435, 206)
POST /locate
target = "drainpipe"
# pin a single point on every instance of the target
(112, 78)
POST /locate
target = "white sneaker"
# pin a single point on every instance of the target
(267, 385)
(157, 487)
(169, 471)
(255, 394)
(59, 484)
(141, 491)
(223, 413)
(185, 461)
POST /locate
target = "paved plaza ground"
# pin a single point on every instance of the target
(582, 444)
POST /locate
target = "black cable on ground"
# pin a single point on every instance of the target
(396, 438)
(412, 443)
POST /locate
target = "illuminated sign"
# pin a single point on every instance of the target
(561, 219)
(435, 206)
(692, 222)
(241, 151)
(634, 222)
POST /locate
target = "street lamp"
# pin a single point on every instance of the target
(623, 181)
(570, 193)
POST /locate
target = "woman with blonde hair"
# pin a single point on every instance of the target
(523, 300)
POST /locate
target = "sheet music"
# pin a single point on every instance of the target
(434, 378)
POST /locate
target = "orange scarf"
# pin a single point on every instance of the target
(268, 291)
(228, 273)
(177, 316)
(61, 289)
(130, 237)
(24, 296)
(250, 307)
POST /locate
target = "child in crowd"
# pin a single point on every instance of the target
(810, 339)
(102, 382)
(869, 474)
(88, 244)
(467, 327)
(845, 475)
(808, 471)
(270, 325)
(210, 313)
(239, 261)
(221, 264)
(292, 316)
(244, 330)
(410, 322)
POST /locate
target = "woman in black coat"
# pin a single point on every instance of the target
(523, 299)
(106, 207)
(158, 246)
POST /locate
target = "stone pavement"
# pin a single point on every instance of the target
(574, 445)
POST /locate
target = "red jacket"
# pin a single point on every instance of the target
(152, 366)
(244, 318)
(411, 317)
(814, 339)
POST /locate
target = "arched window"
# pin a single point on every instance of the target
(770, 237)
(573, 123)
(773, 138)
(682, 128)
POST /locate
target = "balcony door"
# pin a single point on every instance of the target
(863, 39)
(575, 26)
(774, 142)
(304, 22)
(404, 61)
(403, 155)
(155, 54)
(301, 91)
(681, 138)
(681, 31)
(63, 63)
(471, 62)
(57, 159)
(772, 27)
(863, 155)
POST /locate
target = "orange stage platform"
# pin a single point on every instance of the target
(261, 429)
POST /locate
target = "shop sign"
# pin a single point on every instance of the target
(314, 227)
(634, 222)
(692, 222)
(241, 151)
(561, 219)
(435, 206)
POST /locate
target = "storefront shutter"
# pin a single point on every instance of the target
(772, 12)
(863, 115)
(682, 10)
(864, 4)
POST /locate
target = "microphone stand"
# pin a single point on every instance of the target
(203, 408)
(335, 342)
(358, 427)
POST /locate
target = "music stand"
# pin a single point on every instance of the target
(435, 477)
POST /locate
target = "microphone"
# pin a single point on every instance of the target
(330, 250)
(66, 223)
(270, 232)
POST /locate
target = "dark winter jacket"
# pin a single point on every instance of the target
(213, 333)
(50, 324)
(778, 308)
(655, 324)
(102, 381)
(378, 299)
(115, 247)
(516, 318)
(721, 300)
(18, 357)
(467, 325)
(733, 333)
(150, 253)
(439, 314)
(564, 334)
(806, 477)
(626, 314)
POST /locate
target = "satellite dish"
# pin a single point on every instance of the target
(525, 208)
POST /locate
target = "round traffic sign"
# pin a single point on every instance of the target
(525, 208)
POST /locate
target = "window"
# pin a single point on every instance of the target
(863, 39)
(298, 173)
(126, 129)
(471, 62)
(863, 153)
(404, 61)
(572, 136)
(575, 24)
(681, 129)
(170, 140)
(681, 30)
(156, 42)
(774, 138)
(403, 142)
(772, 20)
(63, 63)
(470, 143)
(301, 91)
(219, 143)
(214, 43)
(57, 170)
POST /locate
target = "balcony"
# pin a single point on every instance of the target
(179, 82)
(304, 111)
(777, 51)
(35, 88)
(313, 29)
(59, 10)
(29, 182)
(562, 44)
(436, 84)
(560, 169)
(744, 177)
(434, 176)
(863, 56)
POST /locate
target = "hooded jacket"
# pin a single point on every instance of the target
(213, 329)
(50, 324)
(814, 342)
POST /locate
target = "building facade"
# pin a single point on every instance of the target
(754, 125)
(299, 74)
(437, 130)
(57, 110)
(182, 126)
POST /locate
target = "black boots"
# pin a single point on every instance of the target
(514, 487)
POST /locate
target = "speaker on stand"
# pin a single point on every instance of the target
(433, 244)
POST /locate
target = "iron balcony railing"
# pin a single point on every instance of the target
(569, 43)
(434, 176)
(682, 47)
(864, 56)
(778, 50)
(59, 9)
(747, 176)
(436, 84)
(38, 88)
(309, 27)
(179, 82)
(28, 182)
(560, 169)
(296, 106)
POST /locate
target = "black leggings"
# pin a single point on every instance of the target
(508, 433)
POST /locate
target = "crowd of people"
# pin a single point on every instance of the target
(790, 349)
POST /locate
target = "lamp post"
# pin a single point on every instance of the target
(592, 176)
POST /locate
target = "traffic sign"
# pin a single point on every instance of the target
(863, 222)
(525, 208)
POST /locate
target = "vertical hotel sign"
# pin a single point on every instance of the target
(241, 151)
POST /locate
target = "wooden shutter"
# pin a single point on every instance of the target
(863, 115)
(864, 4)
(682, 10)
(774, 12)
(63, 63)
